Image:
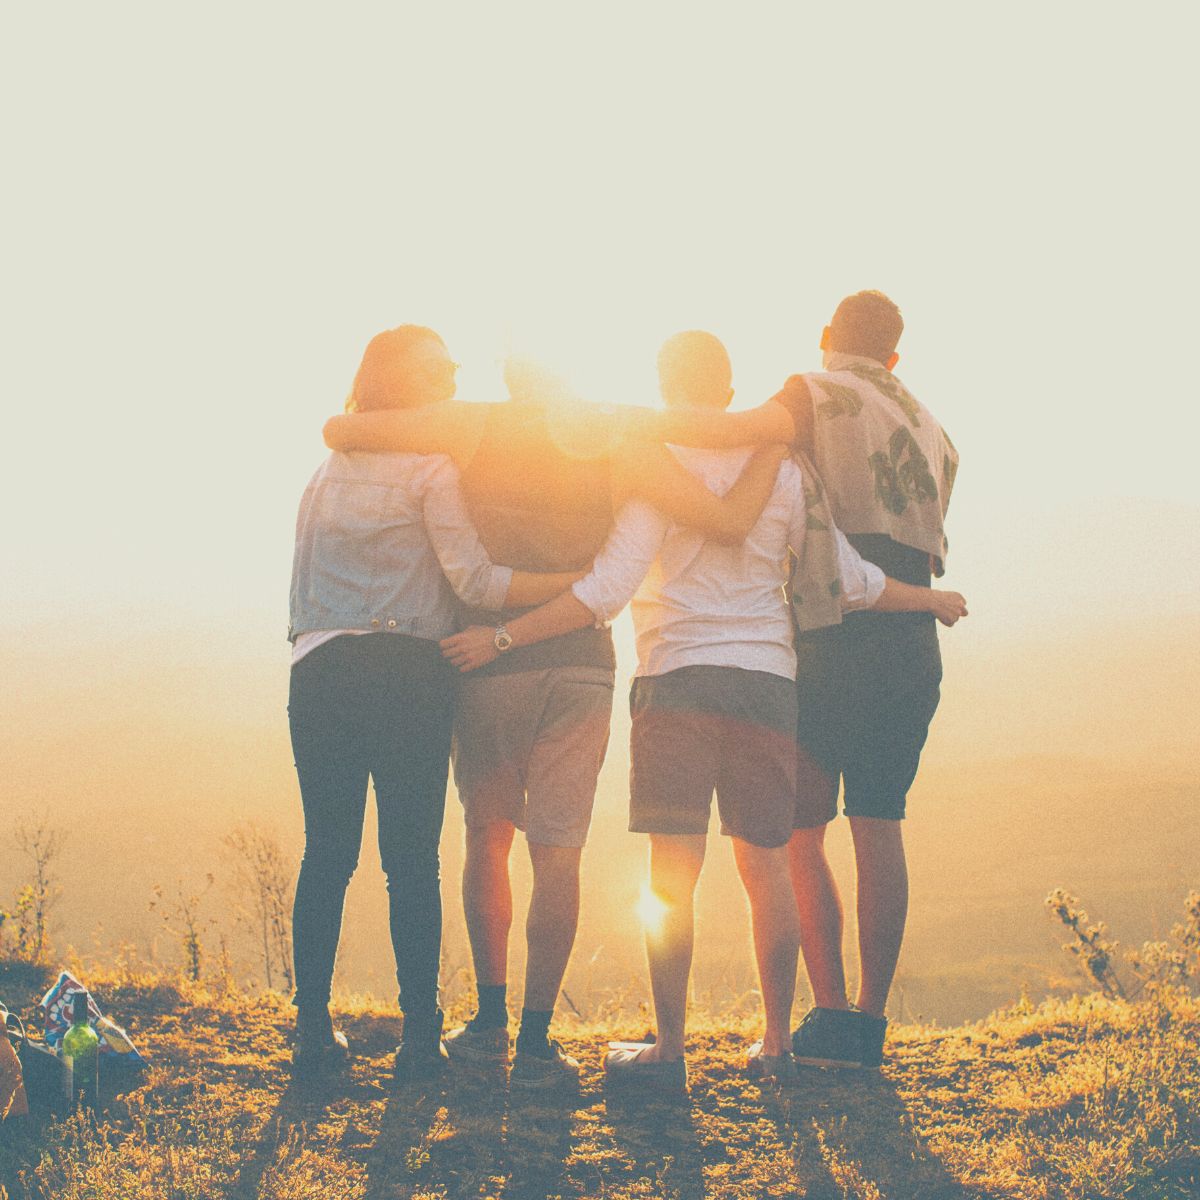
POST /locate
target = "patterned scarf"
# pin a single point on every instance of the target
(888, 468)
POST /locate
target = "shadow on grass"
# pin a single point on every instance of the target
(467, 1134)
(306, 1101)
(539, 1144)
(658, 1136)
(302, 1103)
(850, 1133)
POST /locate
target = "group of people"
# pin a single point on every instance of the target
(457, 566)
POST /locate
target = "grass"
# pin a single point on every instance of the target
(1089, 1099)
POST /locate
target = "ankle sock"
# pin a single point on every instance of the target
(493, 1007)
(534, 1036)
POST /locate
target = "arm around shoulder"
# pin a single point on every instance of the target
(452, 428)
(652, 473)
(715, 429)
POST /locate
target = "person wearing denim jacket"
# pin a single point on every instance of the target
(383, 545)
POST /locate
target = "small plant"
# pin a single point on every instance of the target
(1187, 934)
(263, 880)
(26, 926)
(16, 926)
(1157, 966)
(1091, 945)
(181, 916)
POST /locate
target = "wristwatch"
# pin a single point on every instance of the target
(502, 639)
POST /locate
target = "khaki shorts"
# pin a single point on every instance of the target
(528, 747)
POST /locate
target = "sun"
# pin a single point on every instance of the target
(651, 910)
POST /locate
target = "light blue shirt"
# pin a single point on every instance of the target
(383, 543)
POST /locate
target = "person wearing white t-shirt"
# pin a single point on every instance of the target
(714, 707)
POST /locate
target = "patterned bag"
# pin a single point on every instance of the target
(117, 1052)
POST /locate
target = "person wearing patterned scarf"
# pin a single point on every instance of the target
(881, 468)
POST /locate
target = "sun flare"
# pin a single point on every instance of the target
(651, 910)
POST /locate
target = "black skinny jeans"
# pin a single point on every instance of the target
(376, 706)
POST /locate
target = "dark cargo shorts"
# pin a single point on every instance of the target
(703, 728)
(866, 696)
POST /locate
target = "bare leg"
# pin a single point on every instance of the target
(675, 862)
(820, 910)
(882, 906)
(776, 935)
(487, 899)
(550, 926)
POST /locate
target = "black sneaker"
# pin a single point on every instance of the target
(421, 1053)
(318, 1048)
(871, 1033)
(829, 1037)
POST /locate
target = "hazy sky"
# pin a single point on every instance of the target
(210, 210)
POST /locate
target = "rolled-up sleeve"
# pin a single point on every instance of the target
(623, 561)
(862, 581)
(476, 580)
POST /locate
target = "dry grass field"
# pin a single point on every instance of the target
(1087, 1099)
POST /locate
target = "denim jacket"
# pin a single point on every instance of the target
(381, 539)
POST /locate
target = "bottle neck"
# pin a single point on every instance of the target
(79, 1010)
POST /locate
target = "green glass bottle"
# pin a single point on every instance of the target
(81, 1055)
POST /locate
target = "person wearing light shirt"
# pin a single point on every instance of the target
(873, 681)
(384, 550)
(543, 474)
(714, 707)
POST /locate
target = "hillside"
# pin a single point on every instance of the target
(1085, 1098)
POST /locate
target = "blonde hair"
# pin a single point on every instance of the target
(694, 368)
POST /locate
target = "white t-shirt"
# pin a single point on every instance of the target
(696, 602)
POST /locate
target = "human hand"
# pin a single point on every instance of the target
(473, 648)
(947, 606)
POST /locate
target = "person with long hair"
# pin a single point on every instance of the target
(543, 474)
(383, 545)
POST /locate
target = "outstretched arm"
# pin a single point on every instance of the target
(452, 427)
(475, 647)
(863, 584)
(716, 430)
(906, 597)
(620, 567)
(528, 588)
(650, 472)
(477, 580)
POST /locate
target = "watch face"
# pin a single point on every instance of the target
(502, 640)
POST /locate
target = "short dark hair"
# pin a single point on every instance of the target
(384, 379)
(694, 368)
(867, 323)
